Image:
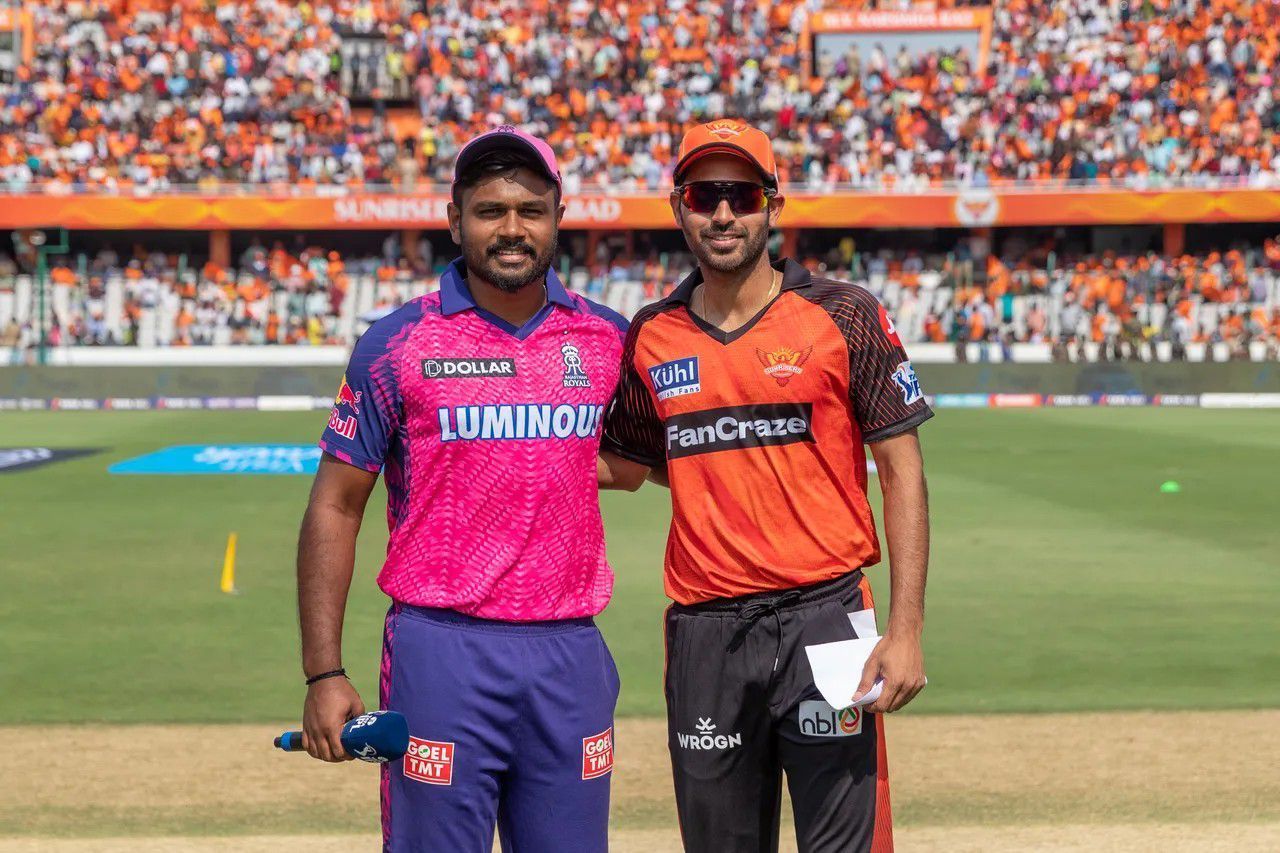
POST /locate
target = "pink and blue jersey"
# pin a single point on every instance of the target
(487, 437)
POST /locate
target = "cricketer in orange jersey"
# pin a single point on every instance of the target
(750, 390)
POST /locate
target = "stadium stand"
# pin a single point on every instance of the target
(270, 97)
(128, 93)
(1114, 304)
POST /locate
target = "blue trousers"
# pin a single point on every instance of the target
(511, 725)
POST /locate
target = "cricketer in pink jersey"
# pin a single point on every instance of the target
(482, 405)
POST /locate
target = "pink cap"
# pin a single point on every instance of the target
(509, 138)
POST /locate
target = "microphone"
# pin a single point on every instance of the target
(376, 737)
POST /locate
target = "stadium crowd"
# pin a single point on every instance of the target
(141, 93)
(313, 296)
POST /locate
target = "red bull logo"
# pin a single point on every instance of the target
(347, 396)
(345, 427)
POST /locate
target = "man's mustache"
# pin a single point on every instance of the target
(504, 246)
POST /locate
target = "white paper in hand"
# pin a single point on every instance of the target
(837, 671)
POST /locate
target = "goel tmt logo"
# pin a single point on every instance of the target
(597, 754)
(429, 761)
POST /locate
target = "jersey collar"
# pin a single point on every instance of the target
(455, 294)
(794, 277)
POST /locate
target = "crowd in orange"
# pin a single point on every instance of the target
(143, 92)
(1231, 297)
(281, 296)
(156, 94)
(273, 297)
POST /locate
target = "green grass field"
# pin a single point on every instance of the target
(1062, 578)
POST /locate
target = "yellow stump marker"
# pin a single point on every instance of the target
(229, 566)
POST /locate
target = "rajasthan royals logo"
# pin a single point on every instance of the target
(905, 377)
(782, 364)
(574, 375)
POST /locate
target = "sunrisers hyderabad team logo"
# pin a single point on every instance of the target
(783, 364)
(725, 128)
(977, 208)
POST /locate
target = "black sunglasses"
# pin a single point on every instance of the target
(744, 197)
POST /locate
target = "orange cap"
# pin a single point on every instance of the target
(728, 136)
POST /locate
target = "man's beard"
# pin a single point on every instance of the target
(748, 254)
(480, 262)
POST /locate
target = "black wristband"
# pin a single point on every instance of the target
(333, 673)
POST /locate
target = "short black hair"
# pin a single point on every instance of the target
(495, 163)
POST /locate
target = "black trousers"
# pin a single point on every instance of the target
(742, 708)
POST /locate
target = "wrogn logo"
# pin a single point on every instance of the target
(706, 737)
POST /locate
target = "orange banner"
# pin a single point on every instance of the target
(858, 20)
(847, 209)
(888, 21)
(18, 22)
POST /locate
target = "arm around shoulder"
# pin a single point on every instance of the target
(614, 472)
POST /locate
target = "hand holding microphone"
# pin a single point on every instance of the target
(376, 737)
(332, 704)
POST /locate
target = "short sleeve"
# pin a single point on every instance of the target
(883, 388)
(613, 318)
(366, 412)
(632, 427)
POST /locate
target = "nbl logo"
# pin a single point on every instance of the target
(818, 719)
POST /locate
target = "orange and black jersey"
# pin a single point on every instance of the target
(761, 431)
